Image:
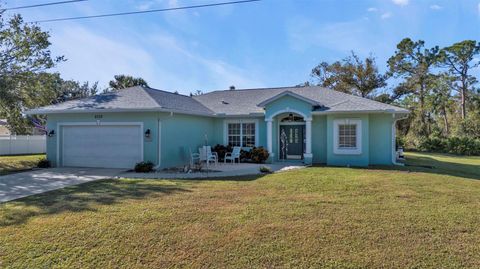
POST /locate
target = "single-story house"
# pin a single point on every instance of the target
(311, 124)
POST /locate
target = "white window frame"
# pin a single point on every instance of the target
(240, 121)
(347, 151)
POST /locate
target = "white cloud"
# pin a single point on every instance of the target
(161, 59)
(436, 7)
(386, 15)
(144, 6)
(478, 9)
(200, 69)
(93, 57)
(341, 36)
(372, 9)
(401, 2)
(337, 40)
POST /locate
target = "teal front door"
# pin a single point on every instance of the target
(291, 142)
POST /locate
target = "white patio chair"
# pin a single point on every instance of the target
(194, 158)
(207, 156)
(211, 154)
(235, 154)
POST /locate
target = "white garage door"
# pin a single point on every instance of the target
(107, 146)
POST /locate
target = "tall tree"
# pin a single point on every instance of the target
(351, 75)
(124, 81)
(440, 99)
(460, 60)
(71, 90)
(413, 62)
(24, 53)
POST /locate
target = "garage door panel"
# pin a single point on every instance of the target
(109, 146)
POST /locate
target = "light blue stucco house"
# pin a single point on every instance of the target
(311, 124)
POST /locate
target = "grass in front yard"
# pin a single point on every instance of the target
(18, 163)
(467, 166)
(315, 217)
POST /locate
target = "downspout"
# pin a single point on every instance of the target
(394, 140)
(159, 155)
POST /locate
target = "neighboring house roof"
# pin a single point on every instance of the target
(218, 103)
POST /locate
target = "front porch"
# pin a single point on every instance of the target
(289, 137)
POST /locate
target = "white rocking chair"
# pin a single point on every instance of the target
(207, 155)
(232, 156)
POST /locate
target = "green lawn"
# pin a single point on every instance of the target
(316, 217)
(12, 164)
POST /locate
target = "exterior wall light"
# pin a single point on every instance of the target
(51, 133)
(147, 133)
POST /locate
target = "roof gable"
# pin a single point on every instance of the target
(291, 94)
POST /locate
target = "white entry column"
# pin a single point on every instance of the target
(308, 141)
(269, 137)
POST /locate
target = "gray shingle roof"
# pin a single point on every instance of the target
(134, 98)
(228, 102)
(242, 102)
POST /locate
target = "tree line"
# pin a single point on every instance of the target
(438, 86)
(25, 80)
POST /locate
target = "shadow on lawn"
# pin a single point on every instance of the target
(431, 165)
(83, 197)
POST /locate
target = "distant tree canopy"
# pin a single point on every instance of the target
(350, 75)
(24, 57)
(197, 92)
(25, 82)
(413, 63)
(436, 84)
(124, 81)
(459, 59)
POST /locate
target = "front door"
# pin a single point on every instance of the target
(291, 141)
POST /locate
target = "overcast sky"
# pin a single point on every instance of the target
(262, 44)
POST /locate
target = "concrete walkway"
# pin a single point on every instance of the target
(19, 185)
(220, 170)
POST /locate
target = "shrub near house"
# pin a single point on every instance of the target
(259, 155)
(255, 154)
(453, 145)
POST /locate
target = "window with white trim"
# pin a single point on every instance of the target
(248, 134)
(347, 136)
(241, 134)
(234, 134)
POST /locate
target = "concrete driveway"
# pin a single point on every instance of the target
(19, 185)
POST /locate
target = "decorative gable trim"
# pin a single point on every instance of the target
(288, 93)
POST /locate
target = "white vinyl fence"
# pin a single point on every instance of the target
(22, 144)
